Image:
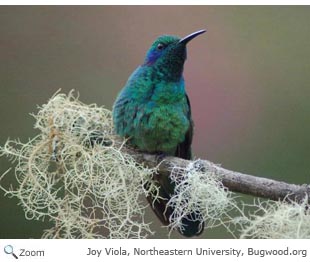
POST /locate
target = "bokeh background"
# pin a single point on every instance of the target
(247, 78)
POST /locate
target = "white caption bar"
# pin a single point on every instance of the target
(154, 250)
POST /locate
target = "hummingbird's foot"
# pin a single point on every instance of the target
(88, 134)
(98, 138)
(199, 165)
(160, 156)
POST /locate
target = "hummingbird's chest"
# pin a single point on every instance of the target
(155, 116)
(161, 122)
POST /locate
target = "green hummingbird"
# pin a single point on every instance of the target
(153, 111)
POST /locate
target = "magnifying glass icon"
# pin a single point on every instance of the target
(8, 249)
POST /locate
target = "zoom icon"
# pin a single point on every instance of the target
(8, 249)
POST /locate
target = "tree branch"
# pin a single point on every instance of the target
(234, 181)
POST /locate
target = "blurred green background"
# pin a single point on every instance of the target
(247, 78)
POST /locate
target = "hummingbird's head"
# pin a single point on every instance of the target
(169, 52)
(166, 48)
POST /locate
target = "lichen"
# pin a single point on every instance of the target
(75, 174)
(201, 192)
(278, 220)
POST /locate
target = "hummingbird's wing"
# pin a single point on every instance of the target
(192, 224)
(183, 149)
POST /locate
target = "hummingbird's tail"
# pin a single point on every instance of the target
(191, 224)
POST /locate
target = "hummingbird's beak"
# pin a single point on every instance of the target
(188, 38)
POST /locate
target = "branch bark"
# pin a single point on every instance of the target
(234, 181)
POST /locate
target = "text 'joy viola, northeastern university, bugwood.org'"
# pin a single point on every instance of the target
(198, 251)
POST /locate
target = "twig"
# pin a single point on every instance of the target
(234, 181)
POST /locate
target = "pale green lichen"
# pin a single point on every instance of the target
(200, 191)
(278, 220)
(86, 189)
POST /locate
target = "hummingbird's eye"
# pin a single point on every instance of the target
(160, 46)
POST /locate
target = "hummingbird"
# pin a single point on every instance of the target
(153, 111)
